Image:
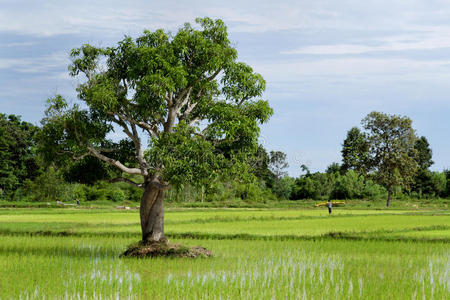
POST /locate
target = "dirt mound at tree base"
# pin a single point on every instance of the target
(164, 249)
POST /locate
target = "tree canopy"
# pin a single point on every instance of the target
(424, 153)
(18, 160)
(185, 93)
(355, 151)
(392, 156)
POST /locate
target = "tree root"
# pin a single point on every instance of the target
(164, 249)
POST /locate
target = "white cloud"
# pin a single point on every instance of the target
(351, 67)
(18, 44)
(45, 64)
(49, 18)
(303, 89)
(46, 18)
(425, 38)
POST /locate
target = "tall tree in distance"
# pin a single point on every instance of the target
(392, 156)
(186, 94)
(278, 164)
(423, 181)
(260, 166)
(333, 168)
(424, 153)
(355, 151)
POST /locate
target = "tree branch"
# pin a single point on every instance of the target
(74, 157)
(188, 110)
(181, 95)
(114, 162)
(152, 130)
(186, 99)
(126, 180)
(140, 152)
(214, 75)
(169, 99)
(193, 122)
(120, 120)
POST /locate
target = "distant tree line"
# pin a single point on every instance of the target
(381, 160)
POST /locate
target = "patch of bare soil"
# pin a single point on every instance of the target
(164, 249)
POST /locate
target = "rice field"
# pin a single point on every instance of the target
(258, 254)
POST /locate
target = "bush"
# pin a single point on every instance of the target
(373, 191)
(306, 188)
(348, 186)
(116, 195)
(96, 193)
(284, 187)
(439, 182)
(447, 189)
(48, 186)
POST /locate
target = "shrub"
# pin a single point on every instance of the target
(373, 191)
(306, 188)
(348, 186)
(284, 187)
(116, 195)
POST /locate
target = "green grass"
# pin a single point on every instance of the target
(259, 254)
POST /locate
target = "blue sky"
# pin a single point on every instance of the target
(327, 63)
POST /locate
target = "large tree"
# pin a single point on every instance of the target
(185, 93)
(392, 156)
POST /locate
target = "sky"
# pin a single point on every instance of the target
(327, 63)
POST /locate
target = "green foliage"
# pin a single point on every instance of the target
(277, 163)
(117, 195)
(320, 186)
(429, 184)
(222, 191)
(333, 168)
(354, 186)
(426, 183)
(284, 187)
(87, 171)
(259, 164)
(392, 154)
(306, 188)
(348, 186)
(160, 85)
(18, 160)
(49, 186)
(252, 192)
(355, 151)
(371, 190)
(439, 183)
(446, 193)
(424, 153)
(182, 157)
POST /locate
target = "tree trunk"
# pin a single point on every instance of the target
(152, 214)
(388, 203)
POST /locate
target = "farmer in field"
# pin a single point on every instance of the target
(330, 206)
